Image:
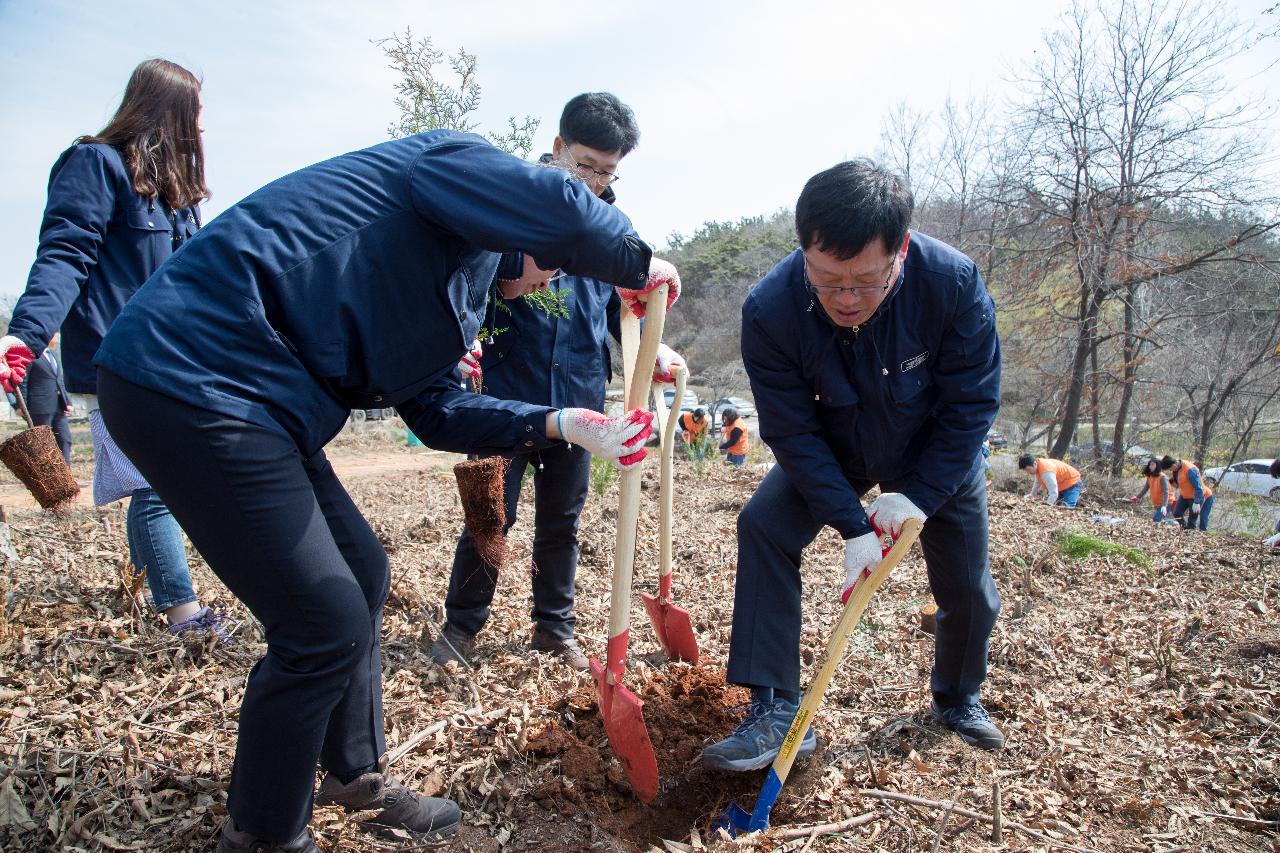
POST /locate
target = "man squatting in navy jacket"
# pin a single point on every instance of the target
(354, 283)
(873, 357)
(551, 361)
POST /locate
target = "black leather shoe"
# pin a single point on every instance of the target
(236, 840)
(971, 722)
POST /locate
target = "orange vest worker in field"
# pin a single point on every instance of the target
(693, 425)
(735, 444)
(1157, 486)
(1061, 483)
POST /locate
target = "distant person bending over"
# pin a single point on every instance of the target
(120, 203)
(733, 430)
(1157, 485)
(1195, 497)
(1060, 482)
(693, 425)
(47, 399)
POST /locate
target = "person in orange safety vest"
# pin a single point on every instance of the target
(1195, 498)
(1060, 482)
(734, 431)
(693, 425)
(1157, 485)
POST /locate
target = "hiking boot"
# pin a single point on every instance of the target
(453, 645)
(565, 648)
(236, 840)
(971, 722)
(756, 741)
(206, 620)
(424, 818)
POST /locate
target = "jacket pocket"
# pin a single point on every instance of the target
(151, 232)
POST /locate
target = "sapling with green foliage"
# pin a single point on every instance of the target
(1081, 546)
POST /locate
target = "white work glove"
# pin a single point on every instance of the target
(469, 364)
(1160, 513)
(890, 510)
(669, 361)
(1195, 507)
(861, 555)
(14, 358)
(660, 272)
(1272, 541)
(1051, 499)
(620, 439)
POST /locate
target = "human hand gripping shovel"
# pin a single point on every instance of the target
(34, 458)
(737, 819)
(671, 623)
(620, 709)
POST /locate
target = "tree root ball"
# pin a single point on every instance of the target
(34, 458)
(480, 485)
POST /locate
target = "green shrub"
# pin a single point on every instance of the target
(1079, 546)
(603, 474)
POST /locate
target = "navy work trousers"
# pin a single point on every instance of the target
(284, 536)
(560, 490)
(775, 527)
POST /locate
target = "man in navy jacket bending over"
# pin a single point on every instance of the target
(874, 360)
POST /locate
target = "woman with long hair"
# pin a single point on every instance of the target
(120, 203)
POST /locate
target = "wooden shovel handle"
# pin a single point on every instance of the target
(638, 382)
(666, 498)
(22, 406)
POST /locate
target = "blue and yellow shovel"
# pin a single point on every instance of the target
(737, 819)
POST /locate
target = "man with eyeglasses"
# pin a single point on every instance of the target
(540, 357)
(874, 361)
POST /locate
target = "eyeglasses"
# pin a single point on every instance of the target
(863, 291)
(593, 175)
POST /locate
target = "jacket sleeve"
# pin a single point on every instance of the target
(500, 203)
(1197, 488)
(76, 218)
(967, 376)
(447, 418)
(788, 419)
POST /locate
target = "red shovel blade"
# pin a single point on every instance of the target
(673, 627)
(623, 715)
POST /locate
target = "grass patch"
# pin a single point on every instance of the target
(1079, 546)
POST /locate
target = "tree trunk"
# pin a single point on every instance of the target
(1085, 337)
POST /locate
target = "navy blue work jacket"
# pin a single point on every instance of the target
(906, 399)
(358, 283)
(99, 242)
(555, 361)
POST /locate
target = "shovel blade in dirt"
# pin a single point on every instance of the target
(623, 715)
(672, 625)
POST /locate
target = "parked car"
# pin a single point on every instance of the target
(997, 440)
(1252, 476)
(687, 404)
(745, 408)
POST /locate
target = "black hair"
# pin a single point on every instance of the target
(1275, 467)
(844, 208)
(1026, 460)
(1167, 462)
(1151, 467)
(728, 415)
(599, 120)
(699, 414)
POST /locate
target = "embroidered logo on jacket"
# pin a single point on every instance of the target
(914, 361)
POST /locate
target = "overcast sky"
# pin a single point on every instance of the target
(738, 102)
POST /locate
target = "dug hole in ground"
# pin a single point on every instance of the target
(1135, 670)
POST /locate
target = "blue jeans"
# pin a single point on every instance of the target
(776, 526)
(1070, 497)
(559, 491)
(1184, 505)
(155, 546)
(737, 460)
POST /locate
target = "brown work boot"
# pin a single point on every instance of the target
(565, 648)
(453, 645)
(236, 840)
(424, 818)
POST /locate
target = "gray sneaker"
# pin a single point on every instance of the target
(206, 620)
(756, 741)
(971, 722)
(236, 840)
(565, 648)
(399, 809)
(453, 645)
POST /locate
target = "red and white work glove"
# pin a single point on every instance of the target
(889, 511)
(469, 365)
(669, 361)
(620, 439)
(660, 272)
(14, 358)
(861, 555)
